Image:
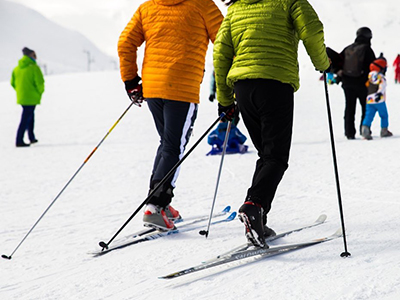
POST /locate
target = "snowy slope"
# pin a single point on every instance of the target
(59, 50)
(53, 262)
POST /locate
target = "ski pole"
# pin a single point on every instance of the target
(105, 245)
(69, 181)
(206, 232)
(345, 253)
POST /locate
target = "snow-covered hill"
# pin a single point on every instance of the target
(59, 50)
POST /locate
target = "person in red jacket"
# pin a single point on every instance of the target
(396, 65)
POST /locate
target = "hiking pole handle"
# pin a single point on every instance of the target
(105, 245)
(345, 253)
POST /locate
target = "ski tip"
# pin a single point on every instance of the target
(338, 233)
(227, 209)
(232, 216)
(321, 219)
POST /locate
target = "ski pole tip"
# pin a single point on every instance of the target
(103, 245)
(345, 254)
(6, 257)
(203, 232)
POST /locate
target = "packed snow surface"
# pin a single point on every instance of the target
(79, 109)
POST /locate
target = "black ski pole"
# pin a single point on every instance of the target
(69, 181)
(105, 245)
(228, 130)
(345, 253)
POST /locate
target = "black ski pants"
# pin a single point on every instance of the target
(267, 107)
(352, 93)
(174, 121)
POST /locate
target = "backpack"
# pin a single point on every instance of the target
(336, 60)
(353, 65)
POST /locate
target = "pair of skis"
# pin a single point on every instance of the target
(247, 250)
(238, 253)
(188, 224)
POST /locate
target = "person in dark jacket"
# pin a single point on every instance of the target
(356, 60)
(28, 82)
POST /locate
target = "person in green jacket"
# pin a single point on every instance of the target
(257, 72)
(28, 82)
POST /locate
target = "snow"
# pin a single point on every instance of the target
(79, 109)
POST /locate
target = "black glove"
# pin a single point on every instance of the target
(134, 90)
(378, 97)
(212, 97)
(231, 111)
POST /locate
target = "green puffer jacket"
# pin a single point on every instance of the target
(259, 39)
(27, 80)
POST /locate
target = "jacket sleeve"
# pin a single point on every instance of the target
(131, 38)
(213, 19)
(310, 30)
(39, 80)
(223, 58)
(12, 82)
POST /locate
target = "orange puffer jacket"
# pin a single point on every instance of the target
(177, 34)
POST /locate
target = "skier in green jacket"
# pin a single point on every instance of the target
(27, 80)
(255, 61)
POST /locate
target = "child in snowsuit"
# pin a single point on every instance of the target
(396, 65)
(235, 140)
(217, 137)
(376, 98)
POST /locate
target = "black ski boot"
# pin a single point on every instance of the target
(250, 214)
(268, 232)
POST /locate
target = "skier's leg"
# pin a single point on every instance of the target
(349, 112)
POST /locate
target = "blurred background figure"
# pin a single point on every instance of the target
(28, 82)
(376, 99)
(356, 60)
(396, 65)
(216, 138)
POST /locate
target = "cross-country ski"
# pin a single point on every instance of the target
(251, 252)
(158, 234)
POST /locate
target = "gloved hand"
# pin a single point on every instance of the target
(230, 111)
(378, 97)
(327, 70)
(134, 90)
(212, 97)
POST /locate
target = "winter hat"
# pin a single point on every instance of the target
(379, 64)
(27, 51)
(364, 32)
